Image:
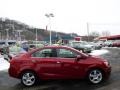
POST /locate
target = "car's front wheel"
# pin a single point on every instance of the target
(28, 78)
(95, 76)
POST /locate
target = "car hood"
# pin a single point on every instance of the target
(93, 57)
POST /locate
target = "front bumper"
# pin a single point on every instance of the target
(108, 72)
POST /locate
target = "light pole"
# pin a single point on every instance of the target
(1, 31)
(36, 37)
(7, 33)
(13, 29)
(88, 31)
(49, 15)
(19, 33)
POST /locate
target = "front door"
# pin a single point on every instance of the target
(70, 68)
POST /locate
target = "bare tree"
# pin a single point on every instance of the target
(105, 33)
(95, 34)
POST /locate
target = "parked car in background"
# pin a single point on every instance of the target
(15, 50)
(116, 43)
(100, 43)
(58, 62)
(7, 42)
(108, 43)
(35, 44)
(81, 46)
(4, 46)
(96, 46)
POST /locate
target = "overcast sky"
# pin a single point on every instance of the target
(70, 15)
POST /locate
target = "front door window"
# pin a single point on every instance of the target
(64, 53)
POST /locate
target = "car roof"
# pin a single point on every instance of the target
(52, 46)
(59, 46)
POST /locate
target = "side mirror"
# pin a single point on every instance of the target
(78, 57)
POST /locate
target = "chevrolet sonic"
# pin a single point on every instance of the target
(58, 62)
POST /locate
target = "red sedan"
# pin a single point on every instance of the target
(58, 62)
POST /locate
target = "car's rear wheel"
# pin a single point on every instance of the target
(95, 76)
(28, 78)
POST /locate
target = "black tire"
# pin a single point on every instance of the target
(95, 76)
(28, 78)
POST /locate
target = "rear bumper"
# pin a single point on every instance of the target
(13, 72)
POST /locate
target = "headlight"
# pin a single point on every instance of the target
(106, 63)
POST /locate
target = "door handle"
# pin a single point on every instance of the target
(58, 62)
(34, 61)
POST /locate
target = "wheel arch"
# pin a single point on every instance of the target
(27, 70)
(92, 68)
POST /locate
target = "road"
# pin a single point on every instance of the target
(8, 83)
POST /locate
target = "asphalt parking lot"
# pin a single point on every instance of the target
(113, 56)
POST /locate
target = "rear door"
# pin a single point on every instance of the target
(45, 63)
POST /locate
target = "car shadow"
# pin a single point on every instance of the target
(61, 85)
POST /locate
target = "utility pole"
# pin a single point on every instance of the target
(7, 30)
(13, 29)
(1, 31)
(36, 36)
(19, 33)
(88, 34)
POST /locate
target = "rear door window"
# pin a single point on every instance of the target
(45, 53)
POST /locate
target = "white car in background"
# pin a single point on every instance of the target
(81, 46)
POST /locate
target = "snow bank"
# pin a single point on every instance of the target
(99, 52)
(3, 64)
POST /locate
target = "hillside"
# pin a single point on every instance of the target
(18, 30)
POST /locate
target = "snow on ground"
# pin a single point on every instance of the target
(4, 65)
(99, 52)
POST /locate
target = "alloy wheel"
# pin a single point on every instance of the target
(95, 76)
(28, 79)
